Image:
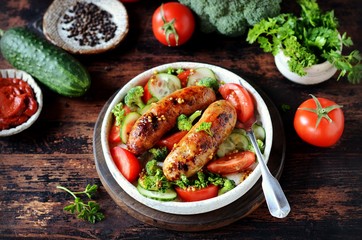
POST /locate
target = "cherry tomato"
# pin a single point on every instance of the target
(184, 76)
(171, 140)
(319, 121)
(126, 162)
(240, 98)
(146, 94)
(232, 163)
(191, 195)
(173, 24)
(114, 135)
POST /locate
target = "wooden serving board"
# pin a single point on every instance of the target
(198, 222)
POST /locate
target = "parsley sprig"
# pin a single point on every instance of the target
(308, 39)
(89, 211)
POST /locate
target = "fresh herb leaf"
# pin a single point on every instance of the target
(89, 211)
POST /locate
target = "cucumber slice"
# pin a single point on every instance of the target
(127, 124)
(241, 141)
(200, 73)
(259, 132)
(169, 195)
(162, 84)
(225, 147)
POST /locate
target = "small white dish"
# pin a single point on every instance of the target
(178, 207)
(54, 27)
(12, 73)
(315, 74)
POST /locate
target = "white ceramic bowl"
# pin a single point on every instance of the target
(178, 207)
(315, 74)
(12, 73)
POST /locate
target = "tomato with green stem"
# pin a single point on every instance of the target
(173, 24)
(319, 121)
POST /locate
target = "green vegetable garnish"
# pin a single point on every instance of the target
(310, 39)
(231, 17)
(133, 98)
(119, 113)
(205, 126)
(184, 123)
(89, 211)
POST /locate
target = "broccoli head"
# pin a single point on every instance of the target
(228, 185)
(153, 178)
(209, 82)
(184, 123)
(133, 98)
(159, 154)
(119, 113)
(232, 17)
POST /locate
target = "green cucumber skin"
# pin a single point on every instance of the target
(49, 64)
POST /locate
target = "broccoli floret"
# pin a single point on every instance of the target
(209, 82)
(228, 185)
(184, 123)
(232, 17)
(159, 154)
(119, 113)
(133, 98)
(153, 178)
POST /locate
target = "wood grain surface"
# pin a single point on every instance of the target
(323, 185)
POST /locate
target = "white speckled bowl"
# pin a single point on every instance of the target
(12, 73)
(315, 74)
(53, 28)
(177, 207)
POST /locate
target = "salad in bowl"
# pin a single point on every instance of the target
(173, 137)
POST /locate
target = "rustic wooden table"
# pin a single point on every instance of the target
(323, 185)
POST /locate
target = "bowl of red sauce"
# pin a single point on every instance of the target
(21, 101)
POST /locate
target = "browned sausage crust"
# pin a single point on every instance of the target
(162, 117)
(198, 147)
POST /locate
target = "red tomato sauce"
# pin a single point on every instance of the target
(17, 102)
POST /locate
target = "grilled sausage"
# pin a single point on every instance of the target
(196, 148)
(162, 117)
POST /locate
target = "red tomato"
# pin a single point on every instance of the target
(189, 195)
(330, 128)
(184, 76)
(232, 163)
(126, 162)
(173, 24)
(146, 94)
(240, 98)
(170, 141)
(114, 135)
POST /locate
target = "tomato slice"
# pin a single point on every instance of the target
(232, 163)
(191, 195)
(171, 140)
(126, 162)
(146, 94)
(240, 98)
(184, 77)
(115, 134)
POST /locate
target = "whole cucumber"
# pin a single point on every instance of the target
(49, 64)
